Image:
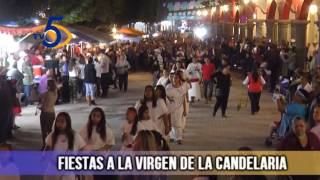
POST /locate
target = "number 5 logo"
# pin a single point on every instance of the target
(56, 29)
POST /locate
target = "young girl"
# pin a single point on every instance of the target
(97, 134)
(127, 128)
(144, 122)
(63, 137)
(157, 108)
(165, 125)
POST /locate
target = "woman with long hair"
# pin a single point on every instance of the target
(223, 82)
(129, 128)
(63, 138)
(97, 133)
(176, 96)
(255, 84)
(157, 108)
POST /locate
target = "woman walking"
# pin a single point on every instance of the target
(223, 83)
(73, 80)
(255, 83)
(176, 95)
(89, 80)
(122, 67)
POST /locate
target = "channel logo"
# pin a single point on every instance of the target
(52, 33)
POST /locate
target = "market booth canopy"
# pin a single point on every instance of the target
(90, 35)
(130, 32)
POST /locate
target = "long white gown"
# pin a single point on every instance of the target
(155, 113)
(176, 97)
(194, 76)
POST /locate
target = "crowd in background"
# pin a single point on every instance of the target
(184, 69)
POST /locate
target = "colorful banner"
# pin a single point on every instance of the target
(160, 163)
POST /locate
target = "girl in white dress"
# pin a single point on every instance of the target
(185, 86)
(144, 122)
(128, 132)
(157, 108)
(194, 75)
(97, 133)
(63, 138)
(176, 95)
(166, 125)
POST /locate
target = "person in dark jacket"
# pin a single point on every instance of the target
(89, 80)
(222, 79)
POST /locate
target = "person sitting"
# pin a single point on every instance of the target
(296, 108)
(300, 138)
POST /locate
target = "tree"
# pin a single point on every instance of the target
(88, 12)
(19, 9)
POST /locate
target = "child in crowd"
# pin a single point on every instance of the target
(63, 138)
(144, 121)
(97, 133)
(128, 128)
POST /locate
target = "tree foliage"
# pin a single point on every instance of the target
(90, 12)
(95, 12)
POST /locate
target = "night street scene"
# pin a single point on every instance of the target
(116, 77)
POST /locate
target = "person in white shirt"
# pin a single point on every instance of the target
(176, 95)
(97, 66)
(163, 80)
(129, 128)
(156, 107)
(144, 120)
(81, 88)
(63, 138)
(73, 79)
(106, 75)
(122, 67)
(194, 74)
(97, 133)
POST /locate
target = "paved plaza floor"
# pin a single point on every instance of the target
(203, 132)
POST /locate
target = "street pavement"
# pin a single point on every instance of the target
(203, 132)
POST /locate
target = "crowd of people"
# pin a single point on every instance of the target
(184, 69)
